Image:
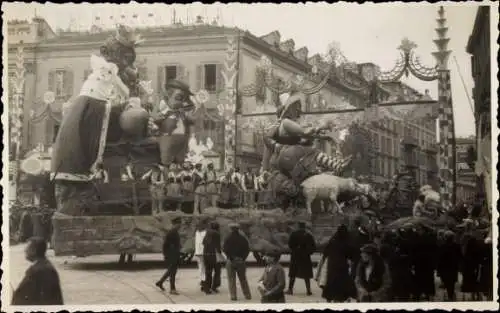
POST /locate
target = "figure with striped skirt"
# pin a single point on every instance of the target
(289, 153)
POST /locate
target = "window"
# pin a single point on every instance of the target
(210, 79)
(170, 73)
(59, 83)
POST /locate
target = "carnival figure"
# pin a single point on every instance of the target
(91, 121)
(175, 122)
(289, 153)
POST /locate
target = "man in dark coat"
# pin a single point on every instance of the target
(302, 245)
(40, 285)
(236, 247)
(448, 267)
(172, 255)
(339, 284)
(212, 248)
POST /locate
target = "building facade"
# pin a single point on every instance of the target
(466, 177)
(196, 54)
(479, 46)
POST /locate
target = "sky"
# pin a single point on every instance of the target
(365, 33)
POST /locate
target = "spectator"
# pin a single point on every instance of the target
(236, 247)
(339, 284)
(373, 278)
(449, 263)
(302, 246)
(172, 255)
(199, 235)
(40, 285)
(272, 283)
(211, 251)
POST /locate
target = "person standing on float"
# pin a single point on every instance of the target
(174, 122)
(91, 121)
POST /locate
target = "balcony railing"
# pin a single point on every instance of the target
(408, 141)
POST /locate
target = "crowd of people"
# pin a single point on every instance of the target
(357, 264)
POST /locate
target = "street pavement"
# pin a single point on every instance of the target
(100, 280)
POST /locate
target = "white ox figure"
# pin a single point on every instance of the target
(327, 187)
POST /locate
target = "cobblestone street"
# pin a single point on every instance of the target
(99, 280)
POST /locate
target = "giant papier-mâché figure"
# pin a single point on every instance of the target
(91, 120)
(289, 152)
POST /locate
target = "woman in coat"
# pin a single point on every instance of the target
(339, 285)
(373, 279)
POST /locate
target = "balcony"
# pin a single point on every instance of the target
(409, 142)
(431, 148)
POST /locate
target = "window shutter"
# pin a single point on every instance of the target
(68, 83)
(199, 78)
(181, 74)
(86, 74)
(143, 72)
(161, 79)
(52, 81)
(219, 79)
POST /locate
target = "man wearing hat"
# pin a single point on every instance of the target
(172, 254)
(373, 278)
(272, 283)
(236, 247)
(302, 246)
(174, 122)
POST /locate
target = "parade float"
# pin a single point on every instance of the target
(110, 212)
(119, 220)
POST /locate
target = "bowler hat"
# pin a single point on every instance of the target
(177, 84)
(369, 249)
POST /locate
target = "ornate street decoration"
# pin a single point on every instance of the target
(227, 106)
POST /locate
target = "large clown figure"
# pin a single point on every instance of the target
(92, 119)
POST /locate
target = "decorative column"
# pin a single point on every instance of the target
(16, 114)
(227, 107)
(447, 150)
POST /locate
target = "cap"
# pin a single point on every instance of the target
(369, 248)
